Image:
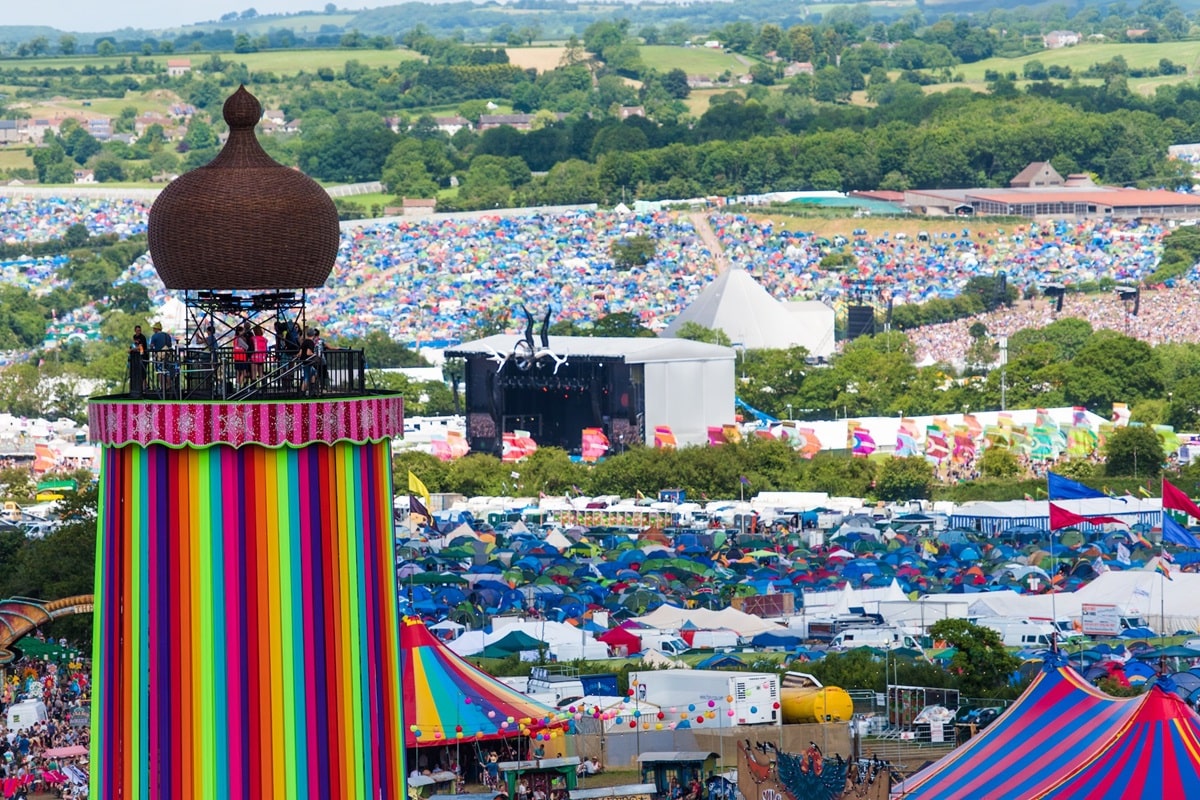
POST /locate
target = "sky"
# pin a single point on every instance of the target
(91, 16)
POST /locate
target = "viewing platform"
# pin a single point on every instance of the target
(191, 374)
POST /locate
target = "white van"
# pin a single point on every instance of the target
(715, 640)
(879, 637)
(668, 643)
(1022, 633)
(25, 715)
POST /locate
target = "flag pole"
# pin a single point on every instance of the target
(1162, 604)
(1053, 603)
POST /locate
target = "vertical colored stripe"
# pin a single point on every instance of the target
(246, 626)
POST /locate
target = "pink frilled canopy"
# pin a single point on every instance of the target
(270, 424)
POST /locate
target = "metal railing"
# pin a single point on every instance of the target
(192, 374)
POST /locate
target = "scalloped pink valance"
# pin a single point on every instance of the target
(270, 424)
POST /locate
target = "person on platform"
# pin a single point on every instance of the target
(161, 345)
(308, 360)
(139, 351)
(243, 345)
(258, 358)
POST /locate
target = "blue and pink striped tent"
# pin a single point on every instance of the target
(1064, 739)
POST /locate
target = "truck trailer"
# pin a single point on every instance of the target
(752, 696)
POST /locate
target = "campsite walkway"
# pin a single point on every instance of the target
(711, 240)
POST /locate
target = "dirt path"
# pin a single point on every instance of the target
(709, 237)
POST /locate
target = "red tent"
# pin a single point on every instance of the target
(619, 638)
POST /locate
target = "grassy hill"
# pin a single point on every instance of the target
(1080, 57)
(692, 60)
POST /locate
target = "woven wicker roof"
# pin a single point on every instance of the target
(243, 221)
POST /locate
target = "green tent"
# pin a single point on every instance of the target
(515, 642)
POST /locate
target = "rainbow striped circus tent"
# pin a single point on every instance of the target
(1064, 739)
(447, 699)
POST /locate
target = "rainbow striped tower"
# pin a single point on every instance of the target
(246, 630)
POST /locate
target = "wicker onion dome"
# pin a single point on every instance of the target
(243, 221)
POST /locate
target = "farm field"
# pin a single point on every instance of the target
(278, 61)
(300, 23)
(543, 59)
(15, 158)
(1082, 56)
(155, 100)
(692, 60)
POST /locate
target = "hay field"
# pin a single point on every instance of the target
(543, 59)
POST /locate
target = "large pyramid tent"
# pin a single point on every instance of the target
(738, 305)
(444, 696)
(1065, 739)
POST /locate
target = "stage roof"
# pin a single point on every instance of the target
(738, 305)
(631, 350)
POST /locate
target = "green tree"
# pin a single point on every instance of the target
(479, 474)
(633, 251)
(675, 82)
(382, 351)
(999, 463)
(983, 665)
(698, 333)
(1134, 450)
(551, 471)
(903, 479)
(1110, 368)
(620, 324)
(109, 170)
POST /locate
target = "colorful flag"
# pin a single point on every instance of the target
(936, 447)
(1174, 533)
(1066, 489)
(594, 445)
(862, 443)
(517, 445)
(664, 437)
(459, 446)
(1120, 415)
(419, 500)
(1168, 438)
(811, 444)
(1174, 498)
(745, 481)
(1161, 568)
(1062, 518)
(44, 458)
(441, 450)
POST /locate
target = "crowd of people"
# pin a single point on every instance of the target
(1163, 317)
(44, 751)
(439, 279)
(435, 280)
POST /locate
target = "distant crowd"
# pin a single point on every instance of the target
(1164, 316)
(45, 749)
(438, 280)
